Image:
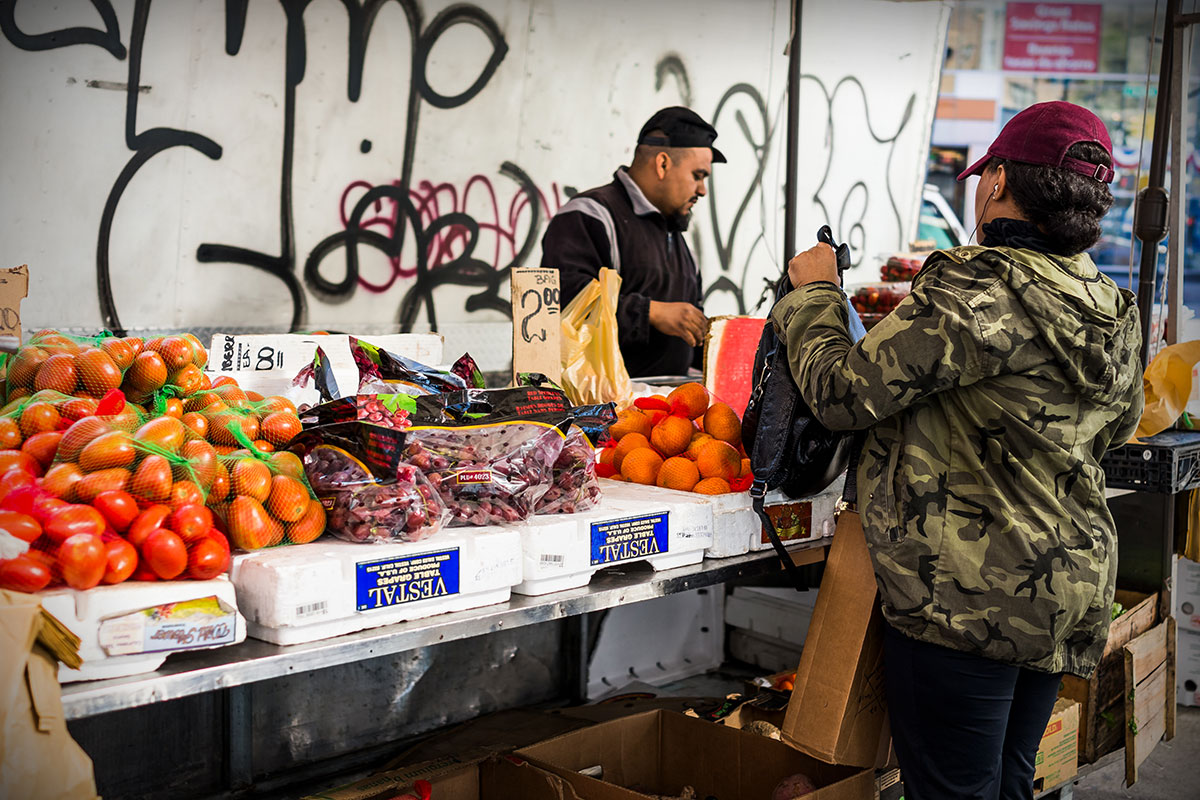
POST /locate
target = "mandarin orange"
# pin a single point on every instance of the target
(722, 423)
(719, 459)
(672, 436)
(689, 400)
(712, 486)
(642, 466)
(678, 473)
(629, 442)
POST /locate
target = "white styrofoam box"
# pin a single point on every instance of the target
(817, 511)
(735, 524)
(267, 363)
(1187, 668)
(303, 593)
(658, 641)
(132, 627)
(1185, 594)
(563, 551)
(776, 613)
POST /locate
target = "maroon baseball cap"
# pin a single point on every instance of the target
(1042, 134)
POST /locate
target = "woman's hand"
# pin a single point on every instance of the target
(815, 264)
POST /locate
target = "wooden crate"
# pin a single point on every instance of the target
(1102, 697)
(1150, 698)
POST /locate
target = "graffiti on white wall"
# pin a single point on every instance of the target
(332, 163)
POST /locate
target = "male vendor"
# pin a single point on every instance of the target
(635, 225)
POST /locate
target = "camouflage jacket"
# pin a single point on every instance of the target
(990, 395)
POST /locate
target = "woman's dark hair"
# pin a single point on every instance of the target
(1065, 205)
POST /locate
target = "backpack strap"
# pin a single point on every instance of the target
(758, 491)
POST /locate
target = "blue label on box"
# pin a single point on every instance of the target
(406, 579)
(629, 538)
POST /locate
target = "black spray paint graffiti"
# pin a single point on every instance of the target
(463, 270)
(733, 279)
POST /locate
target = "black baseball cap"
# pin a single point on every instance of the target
(681, 127)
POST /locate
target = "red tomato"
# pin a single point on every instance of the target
(45, 507)
(22, 526)
(143, 573)
(186, 493)
(74, 519)
(206, 559)
(19, 459)
(165, 553)
(146, 523)
(82, 560)
(24, 574)
(122, 561)
(14, 479)
(118, 508)
(191, 522)
(219, 538)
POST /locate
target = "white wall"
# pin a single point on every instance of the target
(93, 187)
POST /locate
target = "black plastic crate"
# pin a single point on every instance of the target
(1168, 462)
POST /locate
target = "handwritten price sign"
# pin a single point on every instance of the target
(536, 321)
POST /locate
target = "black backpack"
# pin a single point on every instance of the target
(788, 448)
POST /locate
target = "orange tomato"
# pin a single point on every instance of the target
(120, 351)
(98, 374)
(81, 433)
(249, 524)
(38, 417)
(232, 394)
(176, 353)
(60, 479)
(199, 354)
(57, 374)
(218, 490)
(280, 427)
(185, 493)
(152, 480)
(174, 408)
(276, 403)
(250, 477)
(188, 378)
(113, 449)
(223, 380)
(10, 434)
(309, 526)
(196, 423)
(263, 446)
(148, 372)
(222, 424)
(288, 499)
(25, 365)
(288, 463)
(78, 408)
(105, 480)
(42, 446)
(202, 459)
(165, 432)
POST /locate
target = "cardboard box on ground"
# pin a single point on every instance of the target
(1058, 754)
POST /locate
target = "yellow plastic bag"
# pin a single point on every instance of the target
(1168, 385)
(593, 368)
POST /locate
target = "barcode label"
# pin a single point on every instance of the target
(312, 609)
(552, 560)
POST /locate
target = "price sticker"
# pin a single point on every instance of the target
(536, 320)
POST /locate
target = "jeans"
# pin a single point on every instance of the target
(964, 727)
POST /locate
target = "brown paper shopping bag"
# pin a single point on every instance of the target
(837, 712)
(38, 758)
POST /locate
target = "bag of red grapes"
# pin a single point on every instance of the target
(371, 494)
(384, 372)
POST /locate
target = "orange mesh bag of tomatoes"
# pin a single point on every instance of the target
(225, 415)
(267, 500)
(35, 424)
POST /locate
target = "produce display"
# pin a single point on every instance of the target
(901, 267)
(121, 460)
(681, 441)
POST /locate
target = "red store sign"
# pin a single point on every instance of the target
(1052, 37)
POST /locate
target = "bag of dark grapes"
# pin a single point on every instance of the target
(371, 494)
(383, 372)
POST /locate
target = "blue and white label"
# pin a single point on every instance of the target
(406, 579)
(630, 538)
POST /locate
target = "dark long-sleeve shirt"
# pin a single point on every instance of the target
(616, 226)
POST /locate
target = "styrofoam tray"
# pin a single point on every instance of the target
(329, 587)
(563, 551)
(132, 627)
(818, 510)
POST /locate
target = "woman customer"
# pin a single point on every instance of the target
(990, 395)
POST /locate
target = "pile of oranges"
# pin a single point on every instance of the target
(681, 441)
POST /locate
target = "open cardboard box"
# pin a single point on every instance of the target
(661, 752)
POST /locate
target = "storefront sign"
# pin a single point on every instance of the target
(630, 538)
(395, 581)
(204, 622)
(1052, 37)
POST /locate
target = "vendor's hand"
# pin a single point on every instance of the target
(679, 319)
(815, 264)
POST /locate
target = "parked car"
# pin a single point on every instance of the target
(937, 222)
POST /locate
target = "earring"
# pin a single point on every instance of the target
(995, 189)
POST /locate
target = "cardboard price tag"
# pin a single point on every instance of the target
(536, 321)
(14, 287)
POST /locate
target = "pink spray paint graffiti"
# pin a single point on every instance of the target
(503, 225)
